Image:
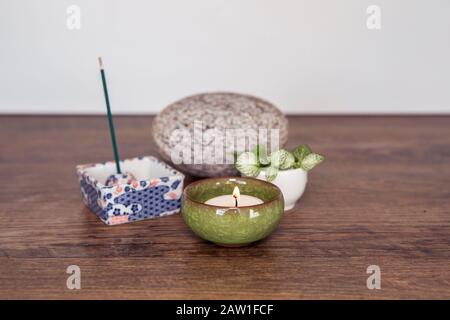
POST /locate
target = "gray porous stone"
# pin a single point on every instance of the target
(198, 126)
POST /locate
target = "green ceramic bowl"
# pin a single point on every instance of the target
(232, 226)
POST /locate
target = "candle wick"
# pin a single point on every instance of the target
(236, 202)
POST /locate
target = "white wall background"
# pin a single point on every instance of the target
(306, 56)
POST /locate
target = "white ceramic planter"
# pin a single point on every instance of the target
(292, 184)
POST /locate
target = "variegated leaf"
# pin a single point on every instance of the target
(311, 160)
(247, 164)
(271, 173)
(281, 159)
(301, 152)
(261, 152)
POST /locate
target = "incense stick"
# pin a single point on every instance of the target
(110, 120)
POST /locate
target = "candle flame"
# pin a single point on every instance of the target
(236, 193)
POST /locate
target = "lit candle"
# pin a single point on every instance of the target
(234, 200)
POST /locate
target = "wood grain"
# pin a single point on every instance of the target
(381, 197)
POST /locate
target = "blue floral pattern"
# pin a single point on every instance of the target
(135, 200)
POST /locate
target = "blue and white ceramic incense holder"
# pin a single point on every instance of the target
(150, 189)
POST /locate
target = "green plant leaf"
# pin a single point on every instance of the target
(288, 162)
(282, 159)
(247, 164)
(296, 165)
(301, 152)
(261, 154)
(311, 160)
(271, 173)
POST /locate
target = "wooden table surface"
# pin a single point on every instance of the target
(382, 197)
